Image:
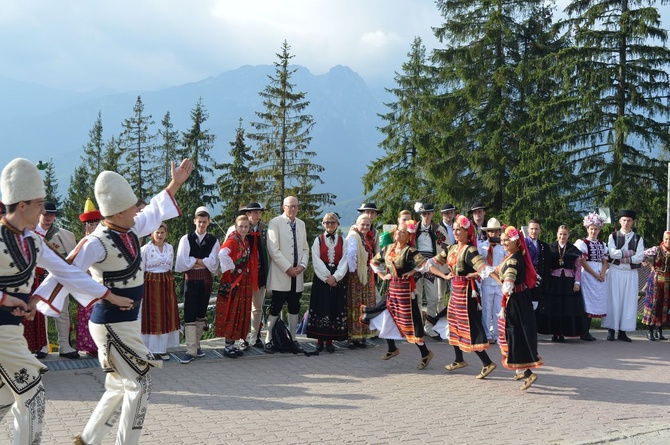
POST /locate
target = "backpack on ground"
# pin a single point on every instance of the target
(282, 340)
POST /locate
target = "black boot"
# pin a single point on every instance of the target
(650, 334)
(610, 335)
(623, 337)
(586, 336)
(659, 334)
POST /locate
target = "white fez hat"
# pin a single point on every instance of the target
(21, 181)
(113, 193)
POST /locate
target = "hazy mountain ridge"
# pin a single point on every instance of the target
(41, 123)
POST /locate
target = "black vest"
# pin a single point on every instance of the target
(201, 250)
(619, 239)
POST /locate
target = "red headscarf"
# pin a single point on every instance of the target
(466, 224)
(531, 275)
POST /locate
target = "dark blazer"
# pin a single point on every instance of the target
(543, 270)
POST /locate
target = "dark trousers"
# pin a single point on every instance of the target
(196, 299)
(291, 298)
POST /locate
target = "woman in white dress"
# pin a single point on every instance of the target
(160, 315)
(594, 268)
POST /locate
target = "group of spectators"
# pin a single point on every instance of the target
(502, 286)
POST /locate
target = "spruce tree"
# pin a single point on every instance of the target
(400, 176)
(236, 187)
(483, 101)
(166, 150)
(94, 148)
(282, 164)
(51, 183)
(137, 145)
(79, 189)
(197, 143)
(542, 183)
(82, 180)
(111, 157)
(614, 104)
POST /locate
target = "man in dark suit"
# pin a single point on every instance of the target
(538, 254)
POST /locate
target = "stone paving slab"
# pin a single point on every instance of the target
(587, 393)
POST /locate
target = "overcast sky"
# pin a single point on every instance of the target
(126, 45)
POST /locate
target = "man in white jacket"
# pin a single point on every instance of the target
(289, 254)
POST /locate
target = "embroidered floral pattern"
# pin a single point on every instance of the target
(22, 376)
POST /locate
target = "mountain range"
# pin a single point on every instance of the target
(44, 124)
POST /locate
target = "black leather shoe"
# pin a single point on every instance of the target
(588, 337)
(650, 335)
(330, 348)
(610, 335)
(40, 355)
(230, 352)
(319, 347)
(71, 355)
(258, 344)
(659, 334)
(432, 320)
(561, 339)
(624, 337)
(554, 339)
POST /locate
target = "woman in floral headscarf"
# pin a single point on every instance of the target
(464, 312)
(396, 264)
(594, 266)
(516, 329)
(657, 301)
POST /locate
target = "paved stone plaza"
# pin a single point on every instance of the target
(588, 393)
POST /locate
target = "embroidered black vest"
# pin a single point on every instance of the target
(619, 238)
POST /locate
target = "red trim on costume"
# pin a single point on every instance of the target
(47, 301)
(104, 297)
(174, 201)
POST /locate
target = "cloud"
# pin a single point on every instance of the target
(151, 44)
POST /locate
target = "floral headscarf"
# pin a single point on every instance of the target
(531, 274)
(466, 224)
(593, 219)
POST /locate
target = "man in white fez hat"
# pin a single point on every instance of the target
(626, 251)
(197, 257)
(21, 250)
(112, 254)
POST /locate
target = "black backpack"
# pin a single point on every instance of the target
(282, 340)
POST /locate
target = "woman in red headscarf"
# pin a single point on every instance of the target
(397, 263)
(464, 312)
(516, 329)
